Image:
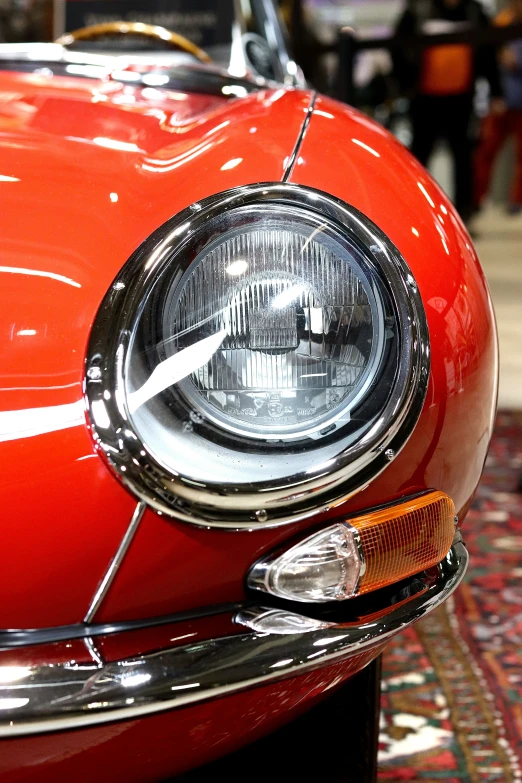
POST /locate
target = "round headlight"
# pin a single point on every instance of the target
(265, 345)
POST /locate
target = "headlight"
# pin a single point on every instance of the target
(265, 346)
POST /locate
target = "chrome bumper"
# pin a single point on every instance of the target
(272, 644)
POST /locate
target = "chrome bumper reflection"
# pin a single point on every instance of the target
(278, 644)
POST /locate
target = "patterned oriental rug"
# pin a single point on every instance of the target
(452, 684)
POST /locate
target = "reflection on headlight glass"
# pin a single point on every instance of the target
(294, 326)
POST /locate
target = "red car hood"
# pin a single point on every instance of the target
(87, 171)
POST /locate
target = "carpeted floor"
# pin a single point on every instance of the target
(452, 684)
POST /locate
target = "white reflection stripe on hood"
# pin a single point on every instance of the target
(29, 422)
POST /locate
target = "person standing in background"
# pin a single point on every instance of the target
(496, 128)
(441, 80)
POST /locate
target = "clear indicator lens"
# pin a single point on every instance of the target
(325, 567)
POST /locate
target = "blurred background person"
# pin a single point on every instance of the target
(441, 81)
(25, 20)
(496, 128)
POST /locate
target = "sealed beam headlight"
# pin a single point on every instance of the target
(274, 332)
(258, 352)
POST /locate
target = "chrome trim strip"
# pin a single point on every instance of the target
(24, 637)
(60, 696)
(299, 496)
(93, 650)
(115, 563)
(302, 133)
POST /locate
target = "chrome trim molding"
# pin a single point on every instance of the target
(302, 133)
(115, 563)
(52, 697)
(26, 637)
(268, 503)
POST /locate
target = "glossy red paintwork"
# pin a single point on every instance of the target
(171, 567)
(87, 171)
(374, 173)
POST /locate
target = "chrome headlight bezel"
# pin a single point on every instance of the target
(250, 503)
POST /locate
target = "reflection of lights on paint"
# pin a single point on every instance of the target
(114, 197)
(217, 128)
(366, 147)
(253, 129)
(116, 144)
(185, 636)
(426, 195)
(276, 96)
(126, 76)
(28, 422)
(236, 268)
(156, 164)
(234, 89)
(16, 270)
(91, 71)
(26, 332)
(155, 80)
(231, 164)
(443, 209)
(442, 238)
(414, 231)
(5, 178)
(438, 303)
(325, 114)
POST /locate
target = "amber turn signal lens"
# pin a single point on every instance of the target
(399, 541)
(362, 553)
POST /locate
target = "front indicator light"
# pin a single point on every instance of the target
(363, 554)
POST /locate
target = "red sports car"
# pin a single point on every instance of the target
(248, 380)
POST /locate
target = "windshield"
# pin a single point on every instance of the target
(207, 23)
(239, 35)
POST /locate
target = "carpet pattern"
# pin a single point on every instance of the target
(452, 684)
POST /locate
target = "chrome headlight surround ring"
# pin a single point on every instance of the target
(252, 504)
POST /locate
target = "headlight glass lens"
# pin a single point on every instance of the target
(258, 349)
(274, 332)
